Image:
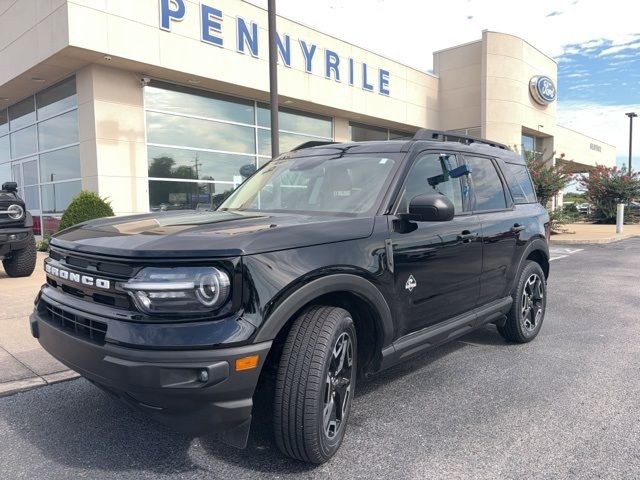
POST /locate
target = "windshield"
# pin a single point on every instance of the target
(344, 183)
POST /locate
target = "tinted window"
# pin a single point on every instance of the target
(487, 185)
(429, 175)
(22, 113)
(164, 196)
(186, 101)
(57, 196)
(4, 122)
(24, 142)
(5, 154)
(58, 131)
(299, 122)
(62, 164)
(520, 185)
(57, 98)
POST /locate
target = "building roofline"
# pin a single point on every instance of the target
(302, 24)
(585, 135)
(457, 46)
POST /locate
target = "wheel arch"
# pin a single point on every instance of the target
(358, 295)
(538, 251)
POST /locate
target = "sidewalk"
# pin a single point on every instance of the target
(23, 362)
(590, 233)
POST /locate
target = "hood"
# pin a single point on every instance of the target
(190, 234)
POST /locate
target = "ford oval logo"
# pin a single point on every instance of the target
(543, 90)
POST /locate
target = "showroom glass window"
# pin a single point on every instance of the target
(39, 149)
(200, 144)
(359, 132)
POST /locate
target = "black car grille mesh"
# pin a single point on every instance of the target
(80, 326)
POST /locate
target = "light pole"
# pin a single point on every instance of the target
(631, 116)
(273, 78)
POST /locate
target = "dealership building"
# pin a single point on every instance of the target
(158, 104)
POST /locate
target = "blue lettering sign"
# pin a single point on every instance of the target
(331, 62)
(248, 38)
(284, 49)
(308, 53)
(350, 71)
(383, 81)
(365, 84)
(167, 13)
(211, 23)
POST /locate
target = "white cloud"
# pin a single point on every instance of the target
(578, 75)
(619, 48)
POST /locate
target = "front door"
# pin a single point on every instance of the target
(26, 174)
(437, 265)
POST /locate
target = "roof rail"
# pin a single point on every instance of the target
(442, 136)
(312, 143)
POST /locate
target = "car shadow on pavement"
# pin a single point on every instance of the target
(77, 425)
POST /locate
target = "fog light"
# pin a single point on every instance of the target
(12, 236)
(203, 376)
(247, 363)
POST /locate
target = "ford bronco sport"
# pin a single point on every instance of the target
(17, 244)
(330, 263)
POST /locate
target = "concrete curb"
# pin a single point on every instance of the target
(587, 241)
(16, 386)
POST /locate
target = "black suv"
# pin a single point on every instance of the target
(332, 262)
(17, 244)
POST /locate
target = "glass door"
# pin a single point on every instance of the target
(26, 174)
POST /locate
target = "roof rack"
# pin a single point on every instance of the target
(442, 136)
(312, 143)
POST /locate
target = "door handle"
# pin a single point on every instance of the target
(466, 236)
(517, 228)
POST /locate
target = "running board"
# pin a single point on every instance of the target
(434, 335)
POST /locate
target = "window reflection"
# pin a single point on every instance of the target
(4, 122)
(164, 196)
(57, 196)
(165, 162)
(288, 141)
(22, 113)
(61, 164)
(360, 132)
(57, 98)
(174, 98)
(58, 131)
(30, 172)
(5, 151)
(32, 198)
(193, 132)
(5, 173)
(24, 142)
(299, 122)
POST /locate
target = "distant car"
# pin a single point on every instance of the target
(17, 244)
(584, 207)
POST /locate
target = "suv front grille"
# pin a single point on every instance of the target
(79, 326)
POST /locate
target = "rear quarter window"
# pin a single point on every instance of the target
(520, 184)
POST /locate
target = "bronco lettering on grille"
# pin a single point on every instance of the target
(77, 278)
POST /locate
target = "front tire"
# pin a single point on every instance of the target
(524, 320)
(315, 384)
(22, 263)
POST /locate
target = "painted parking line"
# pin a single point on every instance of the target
(558, 253)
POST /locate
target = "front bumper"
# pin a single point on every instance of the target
(13, 239)
(167, 384)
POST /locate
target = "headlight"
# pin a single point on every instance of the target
(179, 290)
(15, 212)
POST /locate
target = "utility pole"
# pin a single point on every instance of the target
(631, 116)
(273, 78)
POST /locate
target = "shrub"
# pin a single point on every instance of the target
(606, 187)
(43, 245)
(548, 179)
(85, 206)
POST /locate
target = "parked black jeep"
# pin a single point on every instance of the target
(330, 263)
(17, 244)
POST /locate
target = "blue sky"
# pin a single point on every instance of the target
(596, 45)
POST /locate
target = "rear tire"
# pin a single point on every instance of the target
(525, 318)
(22, 263)
(315, 384)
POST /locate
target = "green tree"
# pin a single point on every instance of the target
(548, 179)
(606, 187)
(85, 206)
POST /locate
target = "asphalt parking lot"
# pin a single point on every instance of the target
(563, 406)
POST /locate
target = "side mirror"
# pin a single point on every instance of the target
(430, 208)
(10, 187)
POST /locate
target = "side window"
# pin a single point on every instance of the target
(487, 185)
(429, 174)
(520, 184)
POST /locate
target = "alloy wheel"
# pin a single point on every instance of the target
(532, 303)
(337, 389)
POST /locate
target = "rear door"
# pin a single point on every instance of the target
(437, 265)
(500, 223)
